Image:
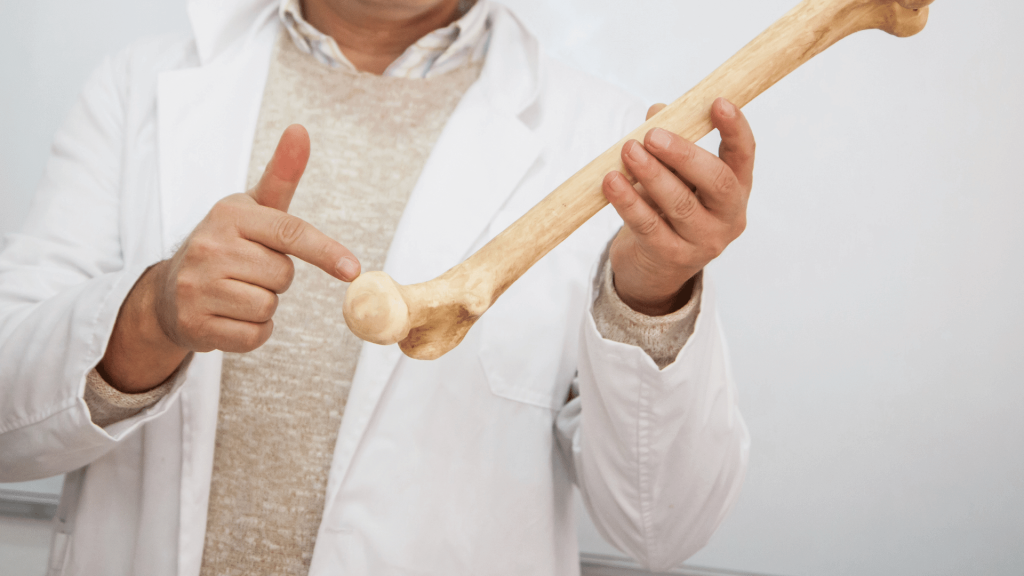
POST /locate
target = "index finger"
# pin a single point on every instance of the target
(288, 234)
(281, 176)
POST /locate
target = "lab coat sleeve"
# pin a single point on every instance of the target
(658, 455)
(62, 282)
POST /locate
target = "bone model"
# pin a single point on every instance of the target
(431, 318)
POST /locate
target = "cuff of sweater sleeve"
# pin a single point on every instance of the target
(661, 337)
(108, 405)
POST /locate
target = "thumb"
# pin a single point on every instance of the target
(279, 180)
(654, 110)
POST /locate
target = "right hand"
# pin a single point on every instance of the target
(220, 289)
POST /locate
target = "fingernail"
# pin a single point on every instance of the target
(615, 180)
(660, 138)
(727, 108)
(348, 268)
(636, 151)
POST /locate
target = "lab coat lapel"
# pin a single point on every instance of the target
(207, 119)
(218, 24)
(206, 122)
(480, 157)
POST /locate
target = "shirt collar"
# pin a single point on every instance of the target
(440, 51)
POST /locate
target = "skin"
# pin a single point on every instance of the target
(374, 33)
(688, 205)
(220, 289)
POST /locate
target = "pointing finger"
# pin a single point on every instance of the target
(277, 185)
(291, 235)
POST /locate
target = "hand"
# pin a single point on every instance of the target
(688, 205)
(220, 290)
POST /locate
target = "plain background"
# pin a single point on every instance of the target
(873, 307)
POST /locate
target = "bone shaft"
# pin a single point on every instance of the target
(804, 32)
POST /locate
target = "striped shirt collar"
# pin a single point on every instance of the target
(440, 51)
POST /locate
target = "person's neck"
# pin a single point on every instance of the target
(373, 36)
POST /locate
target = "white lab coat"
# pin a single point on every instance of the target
(463, 465)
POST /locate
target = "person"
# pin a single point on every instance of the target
(159, 343)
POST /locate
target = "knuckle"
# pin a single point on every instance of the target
(739, 226)
(224, 210)
(641, 171)
(285, 275)
(648, 225)
(190, 325)
(686, 153)
(714, 246)
(266, 330)
(187, 286)
(707, 252)
(203, 247)
(729, 146)
(218, 210)
(630, 202)
(251, 340)
(650, 262)
(684, 205)
(681, 261)
(679, 258)
(718, 248)
(742, 152)
(265, 307)
(199, 342)
(255, 336)
(289, 230)
(323, 251)
(724, 180)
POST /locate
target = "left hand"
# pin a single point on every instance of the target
(687, 206)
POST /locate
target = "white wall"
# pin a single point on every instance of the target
(873, 306)
(47, 50)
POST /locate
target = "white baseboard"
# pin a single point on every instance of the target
(603, 565)
(43, 506)
(28, 504)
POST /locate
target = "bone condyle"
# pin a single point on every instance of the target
(431, 318)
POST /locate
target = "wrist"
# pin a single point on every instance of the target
(656, 305)
(146, 309)
(140, 355)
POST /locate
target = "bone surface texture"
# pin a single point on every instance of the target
(431, 318)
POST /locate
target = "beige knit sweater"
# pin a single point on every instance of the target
(281, 405)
